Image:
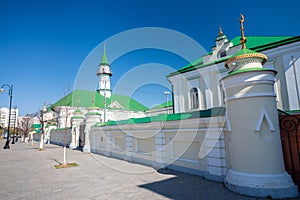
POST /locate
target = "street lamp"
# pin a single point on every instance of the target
(10, 87)
(104, 109)
(14, 120)
(167, 94)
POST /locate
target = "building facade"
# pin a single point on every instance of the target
(197, 86)
(225, 123)
(4, 117)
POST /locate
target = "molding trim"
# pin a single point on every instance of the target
(264, 115)
(227, 121)
(256, 94)
(261, 185)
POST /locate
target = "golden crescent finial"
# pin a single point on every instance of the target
(243, 39)
(242, 18)
(220, 30)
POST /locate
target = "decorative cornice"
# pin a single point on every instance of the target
(249, 55)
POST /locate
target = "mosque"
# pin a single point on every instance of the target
(109, 106)
(224, 125)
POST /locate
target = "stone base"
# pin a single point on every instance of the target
(261, 185)
(159, 165)
(72, 146)
(86, 149)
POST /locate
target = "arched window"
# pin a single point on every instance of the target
(222, 54)
(194, 98)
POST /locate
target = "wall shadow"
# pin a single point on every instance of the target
(186, 186)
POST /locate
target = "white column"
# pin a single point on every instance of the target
(92, 117)
(108, 145)
(160, 150)
(215, 158)
(255, 153)
(73, 137)
(128, 147)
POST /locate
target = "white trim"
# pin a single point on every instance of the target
(135, 145)
(194, 129)
(144, 153)
(273, 181)
(187, 160)
(264, 114)
(227, 121)
(256, 94)
(248, 79)
(270, 82)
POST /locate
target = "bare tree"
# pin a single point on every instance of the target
(25, 124)
(40, 115)
(64, 115)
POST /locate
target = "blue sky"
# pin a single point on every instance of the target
(43, 43)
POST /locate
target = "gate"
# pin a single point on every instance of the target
(81, 136)
(290, 139)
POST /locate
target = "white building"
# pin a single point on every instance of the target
(225, 125)
(4, 117)
(197, 86)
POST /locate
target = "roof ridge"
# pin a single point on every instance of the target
(257, 43)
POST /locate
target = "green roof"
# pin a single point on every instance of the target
(77, 117)
(36, 125)
(163, 105)
(200, 65)
(104, 60)
(84, 98)
(217, 111)
(248, 70)
(254, 43)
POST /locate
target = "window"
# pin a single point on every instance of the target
(194, 98)
(222, 54)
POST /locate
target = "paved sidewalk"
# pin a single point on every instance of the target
(27, 173)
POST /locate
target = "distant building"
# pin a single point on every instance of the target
(164, 108)
(4, 117)
(108, 105)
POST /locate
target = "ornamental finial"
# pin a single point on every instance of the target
(243, 39)
(220, 31)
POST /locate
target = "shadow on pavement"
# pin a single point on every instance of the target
(185, 186)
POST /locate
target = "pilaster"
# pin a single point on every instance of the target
(92, 117)
(128, 147)
(160, 150)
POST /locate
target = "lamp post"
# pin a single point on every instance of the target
(167, 94)
(10, 87)
(16, 132)
(104, 109)
(14, 120)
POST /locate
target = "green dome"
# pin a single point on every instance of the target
(245, 53)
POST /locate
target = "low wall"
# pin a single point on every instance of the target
(195, 146)
(36, 137)
(57, 136)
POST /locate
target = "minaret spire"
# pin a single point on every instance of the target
(104, 73)
(243, 39)
(104, 60)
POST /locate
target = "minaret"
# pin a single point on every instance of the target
(256, 166)
(104, 74)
